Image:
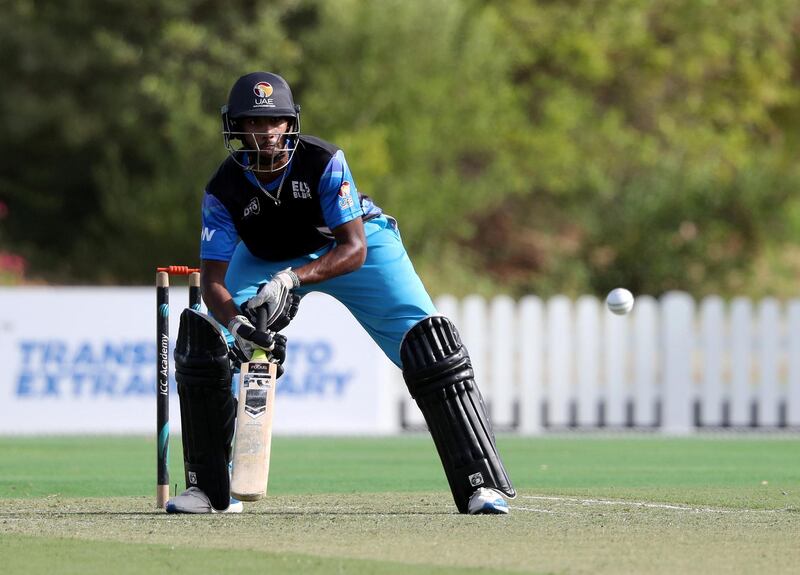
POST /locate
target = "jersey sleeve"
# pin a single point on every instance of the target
(219, 236)
(338, 193)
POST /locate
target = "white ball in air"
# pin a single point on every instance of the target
(619, 301)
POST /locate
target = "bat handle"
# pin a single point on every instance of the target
(261, 325)
(261, 318)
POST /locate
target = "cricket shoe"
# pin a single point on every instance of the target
(193, 500)
(487, 501)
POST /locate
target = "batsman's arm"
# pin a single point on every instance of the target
(216, 296)
(347, 255)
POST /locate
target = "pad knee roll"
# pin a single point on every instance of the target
(208, 410)
(438, 372)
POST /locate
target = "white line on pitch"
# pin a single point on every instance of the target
(518, 508)
(645, 504)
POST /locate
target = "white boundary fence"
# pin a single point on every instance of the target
(673, 364)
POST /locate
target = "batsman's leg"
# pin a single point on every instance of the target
(208, 411)
(438, 372)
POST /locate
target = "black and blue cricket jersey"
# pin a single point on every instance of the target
(317, 194)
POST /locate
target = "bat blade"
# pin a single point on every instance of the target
(252, 444)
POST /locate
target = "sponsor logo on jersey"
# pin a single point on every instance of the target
(300, 190)
(253, 208)
(345, 199)
(207, 234)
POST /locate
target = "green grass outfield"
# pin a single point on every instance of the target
(586, 504)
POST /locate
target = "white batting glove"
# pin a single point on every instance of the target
(273, 295)
(248, 338)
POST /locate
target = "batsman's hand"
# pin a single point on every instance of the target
(286, 315)
(244, 347)
(248, 338)
(275, 296)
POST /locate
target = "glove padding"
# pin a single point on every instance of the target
(284, 316)
(243, 348)
(274, 296)
(248, 338)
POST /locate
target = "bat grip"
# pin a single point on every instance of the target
(261, 318)
(261, 325)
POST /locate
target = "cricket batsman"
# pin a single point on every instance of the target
(282, 217)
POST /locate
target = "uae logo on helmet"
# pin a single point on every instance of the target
(263, 90)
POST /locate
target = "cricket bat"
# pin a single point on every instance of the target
(251, 448)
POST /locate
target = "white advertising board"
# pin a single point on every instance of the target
(83, 360)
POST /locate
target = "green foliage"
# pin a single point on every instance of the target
(540, 146)
(114, 127)
(422, 102)
(659, 135)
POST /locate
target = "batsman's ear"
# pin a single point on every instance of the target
(228, 124)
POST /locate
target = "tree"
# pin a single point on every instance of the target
(661, 144)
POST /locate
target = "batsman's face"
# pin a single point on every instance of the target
(266, 134)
